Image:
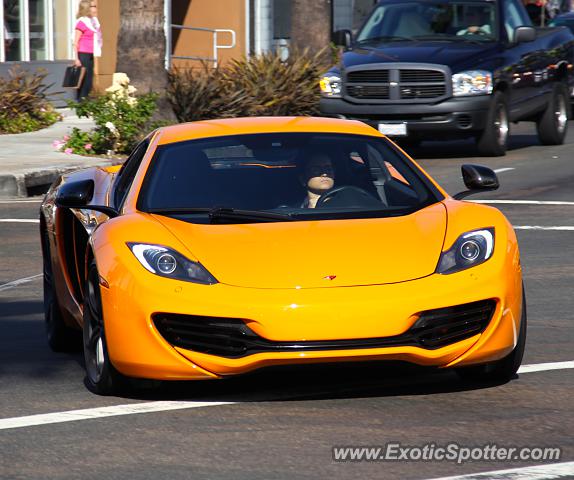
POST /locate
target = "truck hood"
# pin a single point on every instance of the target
(317, 254)
(457, 56)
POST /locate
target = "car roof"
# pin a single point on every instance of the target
(253, 125)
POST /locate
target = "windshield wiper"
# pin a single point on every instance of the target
(226, 213)
(453, 38)
(386, 38)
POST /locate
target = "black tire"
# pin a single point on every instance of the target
(101, 376)
(553, 124)
(61, 338)
(502, 370)
(493, 140)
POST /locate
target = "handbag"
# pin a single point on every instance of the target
(73, 77)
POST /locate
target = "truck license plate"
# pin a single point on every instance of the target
(393, 129)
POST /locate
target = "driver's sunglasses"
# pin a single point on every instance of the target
(320, 170)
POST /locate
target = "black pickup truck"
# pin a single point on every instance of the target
(431, 69)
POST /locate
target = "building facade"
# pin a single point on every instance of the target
(40, 32)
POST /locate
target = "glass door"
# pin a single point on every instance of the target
(13, 23)
(28, 30)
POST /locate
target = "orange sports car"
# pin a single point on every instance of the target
(220, 247)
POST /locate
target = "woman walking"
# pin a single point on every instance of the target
(87, 43)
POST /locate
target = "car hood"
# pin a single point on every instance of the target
(458, 56)
(317, 254)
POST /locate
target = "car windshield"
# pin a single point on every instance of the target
(283, 177)
(563, 22)
(430, 20)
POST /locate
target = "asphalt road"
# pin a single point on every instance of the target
(283, 424)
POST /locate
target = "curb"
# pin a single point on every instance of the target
(35, 182)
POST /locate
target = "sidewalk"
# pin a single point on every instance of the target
(29, 163)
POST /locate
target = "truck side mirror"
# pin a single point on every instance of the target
(524, 34)
(477, 178)
(342, 38)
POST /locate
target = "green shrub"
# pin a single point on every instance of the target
(263, 85)
(196, 94)
(24, 106)
(122, 120)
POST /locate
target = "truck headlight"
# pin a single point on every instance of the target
(331, 86)
(472, 82)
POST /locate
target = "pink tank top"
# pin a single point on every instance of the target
(86, 43)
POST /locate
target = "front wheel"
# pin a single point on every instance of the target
(101, 376)
(504, 369)
(493, 140)
(553, 124)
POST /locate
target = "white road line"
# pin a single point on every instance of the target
(3, 202)
(19, 220)
(542, 367)
(540, 472)
(151, 407)
(500, 170)
(20, 281)
(101, 412)
(563, 228)
(523, 202)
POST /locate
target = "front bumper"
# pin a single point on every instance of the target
(137, 348)
(462, 116)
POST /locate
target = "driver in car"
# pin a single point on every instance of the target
(318, 177)
(478, 23)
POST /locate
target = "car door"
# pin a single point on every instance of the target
(528, 64)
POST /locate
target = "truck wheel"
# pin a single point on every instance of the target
(493, 140)
(553, 124)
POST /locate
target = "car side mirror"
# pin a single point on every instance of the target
(477, 178)
(78, 195)
(524, 34)
(342, 38)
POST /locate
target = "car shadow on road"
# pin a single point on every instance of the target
(317, 382)
(464, 148)
(24, 351)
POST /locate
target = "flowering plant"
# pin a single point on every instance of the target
(120, 116)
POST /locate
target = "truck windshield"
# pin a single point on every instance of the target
(435, 20)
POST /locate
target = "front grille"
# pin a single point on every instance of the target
(464, 121)
(421, 76)
(368, 91)
(437, 328)
(369, 76)
(423, 91)
(232, 338)
(397, 85)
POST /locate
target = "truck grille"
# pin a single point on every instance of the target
(368, 91)
(409, 85)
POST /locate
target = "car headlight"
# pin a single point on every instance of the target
(166, 262)
(469, 250)
(472, 82)
(331, 86)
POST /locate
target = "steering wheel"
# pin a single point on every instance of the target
(336, 191)
(479, 31)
